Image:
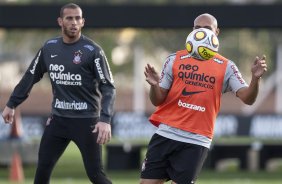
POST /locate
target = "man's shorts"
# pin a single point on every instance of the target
(173, 160)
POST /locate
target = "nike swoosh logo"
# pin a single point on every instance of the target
(52, 56)
(187, 93)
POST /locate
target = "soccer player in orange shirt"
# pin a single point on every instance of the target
(187, 107)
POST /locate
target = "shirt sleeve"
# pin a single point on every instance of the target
(106, 86)
(32, 75)
(166, 77)
(233, 79)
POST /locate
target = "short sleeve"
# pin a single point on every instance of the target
(233, 79)
(166, 77)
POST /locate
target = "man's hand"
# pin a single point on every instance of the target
(152, 77)
(249, 94)
(104, 132)
(259, 67)
(8, 115)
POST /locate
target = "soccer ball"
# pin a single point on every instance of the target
(202, 44)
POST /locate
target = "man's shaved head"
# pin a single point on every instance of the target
(206, 21)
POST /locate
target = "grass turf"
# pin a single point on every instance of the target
(70, 170)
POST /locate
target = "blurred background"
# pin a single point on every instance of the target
(132, 34)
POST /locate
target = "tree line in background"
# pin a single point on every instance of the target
(239, 45)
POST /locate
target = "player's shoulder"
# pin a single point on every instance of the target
(230, 65)
(89, 44)
(218, 58)
(171, 57)
(52, 41)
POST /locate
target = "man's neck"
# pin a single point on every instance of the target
(69, 40)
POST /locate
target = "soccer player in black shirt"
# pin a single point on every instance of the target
(83, 97)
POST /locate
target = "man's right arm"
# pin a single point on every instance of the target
(33, 74)
(157, 94)
(160, 84)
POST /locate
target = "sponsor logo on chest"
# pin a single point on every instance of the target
(58, 75)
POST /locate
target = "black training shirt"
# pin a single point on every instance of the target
(80, 75)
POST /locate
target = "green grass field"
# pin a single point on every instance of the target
(70, 170)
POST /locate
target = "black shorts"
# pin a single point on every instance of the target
(173, 160)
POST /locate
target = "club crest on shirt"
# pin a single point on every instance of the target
(77, 57)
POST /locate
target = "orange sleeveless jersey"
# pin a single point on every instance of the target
(193, 101)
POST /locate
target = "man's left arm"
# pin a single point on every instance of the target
(108, 92)
(249, 94)
(107, 89)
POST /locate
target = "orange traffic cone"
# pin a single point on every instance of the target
(16, 169)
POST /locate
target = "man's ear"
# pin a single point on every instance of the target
(60, 21)
(83, 21)
(217, 31)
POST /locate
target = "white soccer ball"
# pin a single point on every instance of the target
(202, 44)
